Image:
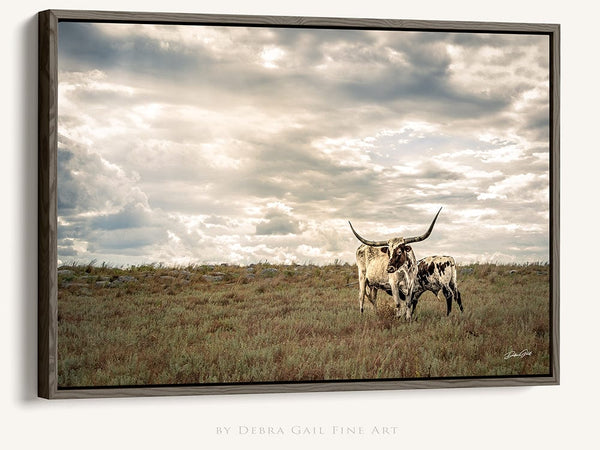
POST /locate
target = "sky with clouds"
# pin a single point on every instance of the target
(204, 144)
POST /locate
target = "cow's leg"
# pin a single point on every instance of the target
(413, 306)
(415, 300)
(373, 297)
(396, 296)
(457, 298)
(409, 306)
(362, 287)
(449, 296)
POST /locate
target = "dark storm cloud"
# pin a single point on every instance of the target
(69, 192)
(131, 216)
(277, 223)
(129, 241)
(536, 124)
(475, 41)
(66, 247)
(306, 185)
(99, 207)
(433, 172)
(79, 192)
(424, 76)
(370, 77)
(82, 46)
(395, 86)
(88, 183)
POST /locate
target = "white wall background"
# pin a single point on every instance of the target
(540, 417)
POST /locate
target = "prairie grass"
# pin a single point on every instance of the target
(150, 325)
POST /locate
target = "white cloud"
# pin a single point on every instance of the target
(509, 187)
(271, 56)
(216, 144)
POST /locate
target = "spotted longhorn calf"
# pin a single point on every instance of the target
(435, 274)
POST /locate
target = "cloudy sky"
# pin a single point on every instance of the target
(197, 144)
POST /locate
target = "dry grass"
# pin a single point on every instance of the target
(225, 324)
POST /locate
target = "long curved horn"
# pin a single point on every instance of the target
(367, 242)
(423, 236)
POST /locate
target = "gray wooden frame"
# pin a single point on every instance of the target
(47, 200)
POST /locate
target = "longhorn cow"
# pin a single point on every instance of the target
(435, 274)
(389, 265)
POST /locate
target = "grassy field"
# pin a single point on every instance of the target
(220, 324)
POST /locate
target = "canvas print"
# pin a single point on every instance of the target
(275, 204)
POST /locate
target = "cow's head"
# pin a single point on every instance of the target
(397, 248)
(398, 255)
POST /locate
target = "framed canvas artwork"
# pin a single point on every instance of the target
(247, 204)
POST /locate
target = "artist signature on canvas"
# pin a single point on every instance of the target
(513, 354)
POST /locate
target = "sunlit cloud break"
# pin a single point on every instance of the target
(207, 144)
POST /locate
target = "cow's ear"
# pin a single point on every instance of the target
(408, 248)
(385, 250)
